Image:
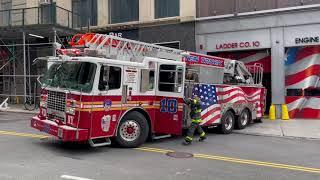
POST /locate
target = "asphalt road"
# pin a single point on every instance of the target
(27, 156)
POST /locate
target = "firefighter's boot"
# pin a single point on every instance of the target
(187, 140)
(202, 137)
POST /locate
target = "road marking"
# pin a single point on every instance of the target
(240, 161)
(202, 156)
(73, 177)
(163, 151)
(12, 133)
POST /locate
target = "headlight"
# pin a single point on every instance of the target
(43, 104)
(73, 103)
(70, 110)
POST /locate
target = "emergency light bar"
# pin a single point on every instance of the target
(69, 52)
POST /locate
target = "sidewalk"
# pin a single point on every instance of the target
(302, 128)
(19, 108)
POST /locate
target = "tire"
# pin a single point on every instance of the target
(132, 131)
(227, 123)
(244, 119)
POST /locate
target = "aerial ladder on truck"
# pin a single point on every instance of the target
(113, 47)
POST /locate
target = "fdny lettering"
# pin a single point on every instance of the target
(205, 60)
(210, 61)
(192, 59)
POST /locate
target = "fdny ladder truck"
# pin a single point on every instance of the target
(106, 88)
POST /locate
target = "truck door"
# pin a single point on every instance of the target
(169, 97)
(107, 105)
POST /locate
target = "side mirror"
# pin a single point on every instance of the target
(38, 79)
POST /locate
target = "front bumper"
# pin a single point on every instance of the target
(64, 132)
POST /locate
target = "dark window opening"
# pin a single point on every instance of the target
(170, 78)
(123, 10)
(151, 80)
(86, 12)
(110, 78)
(175, 45)
(167, 8)
(5, 15)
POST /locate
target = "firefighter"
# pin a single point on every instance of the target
(195, 115)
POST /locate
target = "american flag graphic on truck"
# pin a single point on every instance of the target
(214, 96)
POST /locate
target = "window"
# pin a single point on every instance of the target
(123, 10)
(147, 80)
(85, 10)
(78, 76)
(48, 13)
(170, 78)
(5, 15)
(110, 78)
(174, 44)
(167, 8)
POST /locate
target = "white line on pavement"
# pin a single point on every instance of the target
(73, 177)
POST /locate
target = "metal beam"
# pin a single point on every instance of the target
(24, 66)
(54, 42)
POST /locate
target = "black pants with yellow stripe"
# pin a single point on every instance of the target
(194, 126)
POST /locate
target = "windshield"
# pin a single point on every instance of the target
(71, 75)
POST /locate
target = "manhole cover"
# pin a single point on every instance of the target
(179, 154)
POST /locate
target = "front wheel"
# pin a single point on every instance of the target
(132, 131)
(227, 123)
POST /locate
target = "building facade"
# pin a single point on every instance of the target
(282, 35)
(166, 22)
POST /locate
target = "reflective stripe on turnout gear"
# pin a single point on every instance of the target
(203, 134)
(188, 138)
(196, 120)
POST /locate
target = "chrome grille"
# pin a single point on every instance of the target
(56, 105)
(56, 101)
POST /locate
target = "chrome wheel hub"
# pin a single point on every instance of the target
(228, 123)
(244, 119)
(130, 130)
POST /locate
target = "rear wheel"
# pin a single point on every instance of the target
(227, 123)
(132, 131)
(244, 119)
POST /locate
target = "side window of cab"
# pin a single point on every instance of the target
(110, 78)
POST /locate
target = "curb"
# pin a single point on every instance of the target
(19, 111)
(277, 136)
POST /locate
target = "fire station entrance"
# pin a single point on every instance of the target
(302, 81)
(251, 57)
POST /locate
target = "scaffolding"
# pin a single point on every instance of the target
(21, 42)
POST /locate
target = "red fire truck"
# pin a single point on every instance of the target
(125, 91)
